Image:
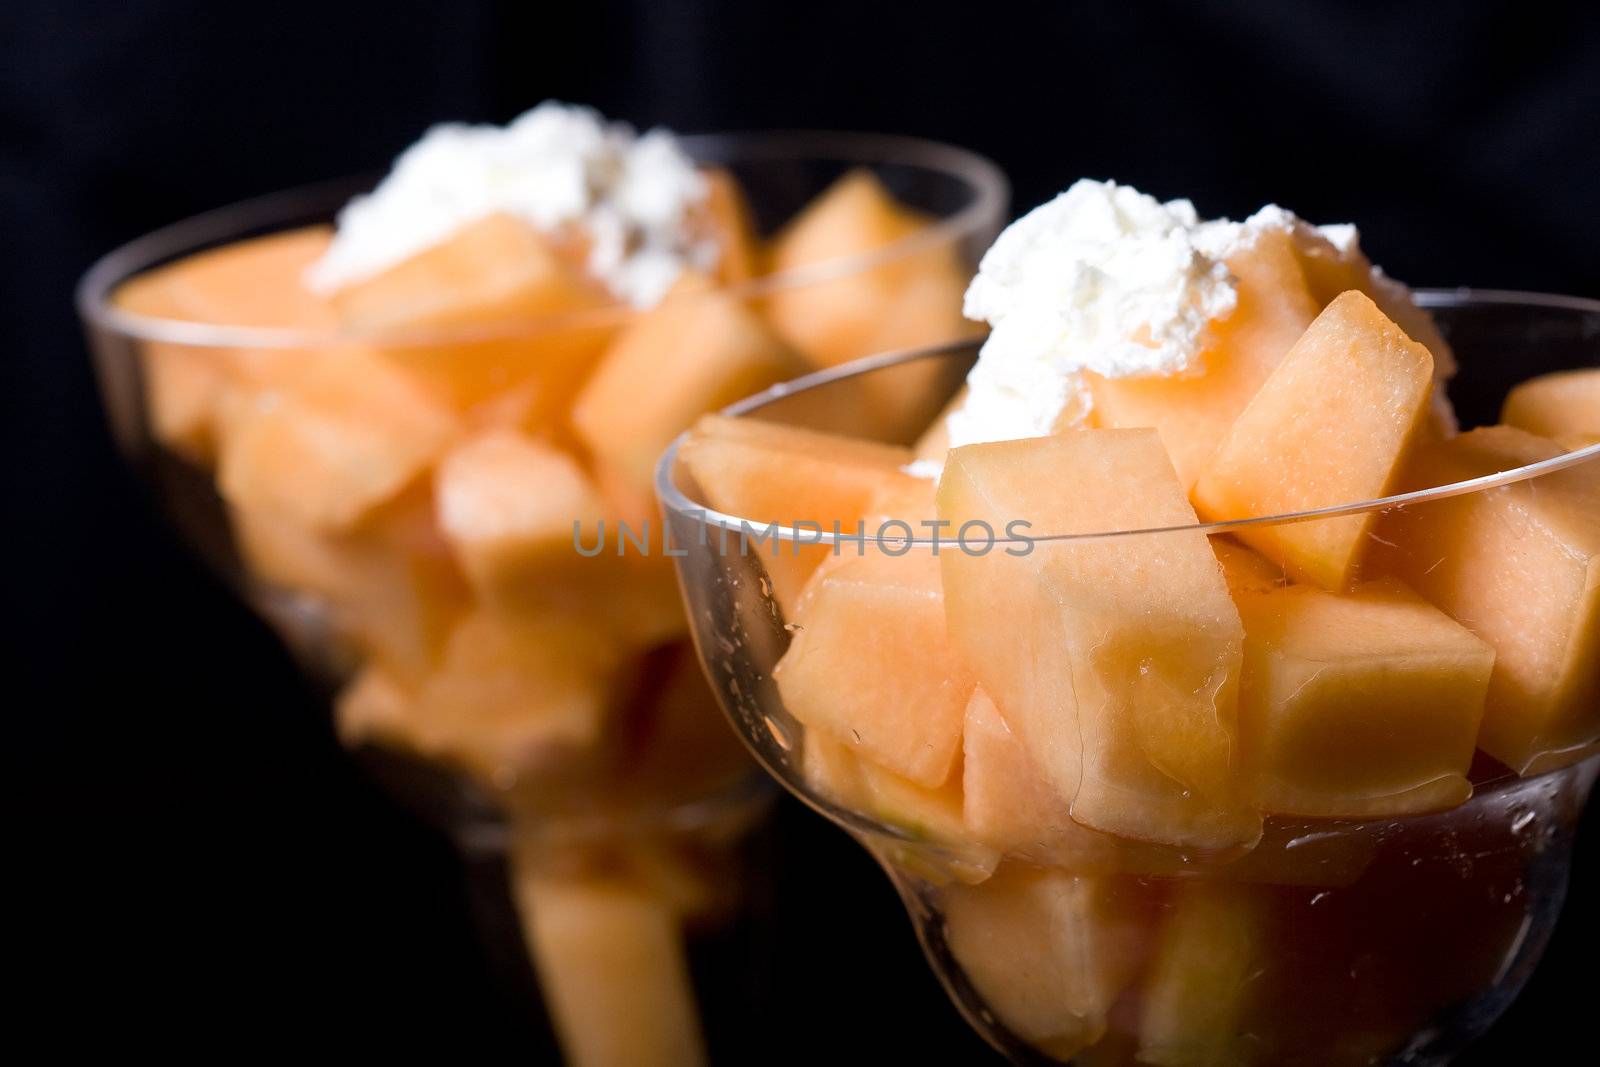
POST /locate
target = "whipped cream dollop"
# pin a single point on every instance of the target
(557, 166)
(1106, 279)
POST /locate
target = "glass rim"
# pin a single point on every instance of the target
(987, 182)
(676, 501)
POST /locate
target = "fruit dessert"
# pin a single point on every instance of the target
(1178, 786)
(435, 438)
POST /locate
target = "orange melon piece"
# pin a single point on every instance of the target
(1205, 978)
(328, 447)
(1246, 571)
(765, 472)
(1564, 407)
(612, 966)
(390, 584)
(520, 703)
(1332, 425)
(696, 351)
(1048, 952)
(253, 283)
(931, 817)
(1116, 660)
(373, 706)
(726, 216)
(870, 664)
(1195, 410)
(862, 311)
(1519, 566)
(540, 322)
(1364, 705)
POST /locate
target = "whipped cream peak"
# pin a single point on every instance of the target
(1103, 278)
(556, 166)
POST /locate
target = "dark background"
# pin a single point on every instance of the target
(201, 870)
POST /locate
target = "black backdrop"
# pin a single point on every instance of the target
(200, 869)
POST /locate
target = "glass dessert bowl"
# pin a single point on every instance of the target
(421, 446)
(1151, 792)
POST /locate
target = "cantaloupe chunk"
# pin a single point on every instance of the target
(1332, 425)
(726, 216)
(679, 744)
(927, 817)
(1195, 410)
(390, 584)
(1048, 952)
(1356, 706)
(903, 303)
(1205, 978)
(373, 706)
(1565, 407)
(334, 443)
(765, 472)
(1519, 566)
(521, 703)
(252, 283)
(1115, 659)
(870, 664)
(1246, 571)
(495, 306)
(696, 351)
(612, 967)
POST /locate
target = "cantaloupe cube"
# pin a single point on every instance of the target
(1246, 571)
(1564, 407)
(373, 706)
(1048, 952)
(727, 217)
(520, 703)
(927, 817)
(1519, 566)
(1115, 659)
(1361, 705)
(390, 584)
(863, 311)
(611, 965)
(696, 351)
(1332, 425)
(870, 664)
(334, 443)
(1206, 978)
(496, 306)
(765, 472)
(679, 744)
(1195, 410)
(253, 283)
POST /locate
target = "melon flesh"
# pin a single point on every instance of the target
(1246, 571)
(1205, 978)
(1048, 952)
(765, 472)
(833, 770)
(1519, 566)
(1332, 425)
(1116, 660)
(870, 664)
(391, 584)
(697, 351)
(496, 273)
(611, 964)
(726, 215)
(1361, 705)
(1564, 407)
(253, 283)
(905, 303)
(333, 443)
(373, 706)
(519, 702)
(1194, 410)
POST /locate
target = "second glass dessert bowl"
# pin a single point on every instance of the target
(439, 494)
(1129, 909)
